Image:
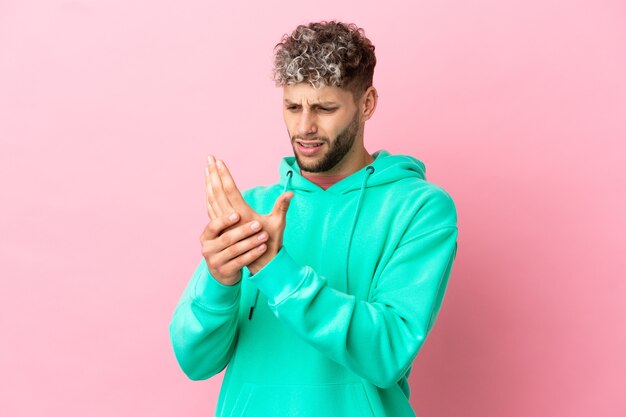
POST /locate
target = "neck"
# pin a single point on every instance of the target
(323, 181)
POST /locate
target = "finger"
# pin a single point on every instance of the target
(282, 204)
(241, 247)
(212, 203)
(209, 195)
(236, 234)
(244, 259)
(220, 204)
(217, 225)
(230, 188)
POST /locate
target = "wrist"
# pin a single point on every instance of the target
(211, 293)
(257, 265)
(226, 280)
(229, 282)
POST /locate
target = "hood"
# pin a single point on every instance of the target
(387, 168)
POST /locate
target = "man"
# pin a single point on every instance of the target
(319, 307)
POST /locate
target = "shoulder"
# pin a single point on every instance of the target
(430, 204)
(402, 181)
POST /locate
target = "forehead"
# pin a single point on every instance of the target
(305, 93)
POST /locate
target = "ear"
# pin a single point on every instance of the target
(368, 103)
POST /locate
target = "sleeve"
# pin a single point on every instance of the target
(203, 329)
(377, 339)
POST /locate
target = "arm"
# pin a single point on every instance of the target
(204, 325)
(378, 338)
(203, 329)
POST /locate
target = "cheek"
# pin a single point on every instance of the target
(335, 127)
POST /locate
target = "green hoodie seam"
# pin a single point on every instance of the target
(203, 306)
(427, 233)
(197, 300)
(295, 290)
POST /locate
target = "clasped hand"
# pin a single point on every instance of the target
(236, 235)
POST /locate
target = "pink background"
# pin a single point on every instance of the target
(108, 110)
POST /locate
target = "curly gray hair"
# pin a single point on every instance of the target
(326, 53)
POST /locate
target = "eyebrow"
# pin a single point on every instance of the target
(316, 104)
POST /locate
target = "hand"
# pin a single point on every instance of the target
(226, 252)
(224, 197)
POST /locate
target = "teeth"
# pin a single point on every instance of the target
(306, 145)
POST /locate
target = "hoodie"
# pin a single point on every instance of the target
(332, 324)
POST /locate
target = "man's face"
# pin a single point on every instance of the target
(323, 124)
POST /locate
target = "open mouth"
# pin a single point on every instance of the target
(309, 145)
(308, 148)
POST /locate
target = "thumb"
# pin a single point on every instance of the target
(282, 204)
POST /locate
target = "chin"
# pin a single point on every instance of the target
(309, 163)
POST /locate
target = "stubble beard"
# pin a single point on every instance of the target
(337, 151)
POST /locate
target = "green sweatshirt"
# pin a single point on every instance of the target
(343, 309)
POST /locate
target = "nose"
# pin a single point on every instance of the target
(306, 124)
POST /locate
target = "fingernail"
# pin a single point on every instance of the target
(232, 217)
(255, 225)
(262, 236)
(209, 159)
(262, 248)
(220, 164)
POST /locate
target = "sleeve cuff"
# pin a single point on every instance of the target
(212, 294)
(280, 278)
